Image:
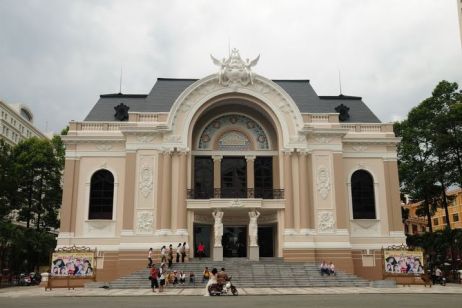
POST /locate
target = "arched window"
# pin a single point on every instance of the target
(362, 192)
(101, 195)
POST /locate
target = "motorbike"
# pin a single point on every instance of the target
(24, 280)
(223, 289)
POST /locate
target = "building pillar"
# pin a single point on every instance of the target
(160, 183)
(166, 211)
(393, 196)
(217, 175)
(310, 192)
(66, 214)
(303, 191)
(276, 175)
(181, 207)
(289, 211)
(250, 176)
(129, 194)
(296, 190)
(341, 208)
(175, 190)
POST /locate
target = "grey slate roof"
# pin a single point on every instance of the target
(166, 90)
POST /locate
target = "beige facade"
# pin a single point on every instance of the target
(154, 157)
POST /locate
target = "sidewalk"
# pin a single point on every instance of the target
(16, 292)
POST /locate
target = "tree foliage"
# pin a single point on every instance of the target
(430, 152)
(30, 197)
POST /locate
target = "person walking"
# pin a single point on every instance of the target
(154, 276)
(178, 253)
(170, 256)
(183, 252)
(150, 258)
(163, 254)
(161, 277)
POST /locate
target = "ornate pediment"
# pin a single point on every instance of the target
(234, 70)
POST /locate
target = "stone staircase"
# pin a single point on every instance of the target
(266, 273)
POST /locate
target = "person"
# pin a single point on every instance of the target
(175, 277)
(178, 252)
(222, 277)
(438, 275)
(183, 252)
(201, 250)
(205, 275)
(212, 280)
(170, 256)
(150, 258)
(192, 278)
(332, 269)
(161, 275)
(324, 269)
(163, 254)
(154, 275)
(182, 278)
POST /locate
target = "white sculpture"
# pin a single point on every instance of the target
(234, 70)
(218, 227)
(253, 228)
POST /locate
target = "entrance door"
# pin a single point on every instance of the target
(202, 234)
(266, 241)
(233, 177)
(235, 242)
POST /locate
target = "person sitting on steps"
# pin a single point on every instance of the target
(324, 268)
(332, 269)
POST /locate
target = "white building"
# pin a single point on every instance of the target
(16, 123)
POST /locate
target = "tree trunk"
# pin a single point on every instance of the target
(445, 204)
(429, 216)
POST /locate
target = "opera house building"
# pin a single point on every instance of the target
(251, 167)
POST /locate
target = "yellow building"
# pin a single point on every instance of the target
(415, 224)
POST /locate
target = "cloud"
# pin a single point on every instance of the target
(58, 56)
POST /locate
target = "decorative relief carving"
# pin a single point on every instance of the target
(323, 140)
(323, 182)
(359, 148)
(144, 222)
(103, 146)
(297, 139)
(365, 227)
(146, 178)
(145, 138)
(237, 203)
(326, 222)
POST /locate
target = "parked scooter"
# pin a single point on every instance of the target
(36, 278)
(24, 280)
(223, 289)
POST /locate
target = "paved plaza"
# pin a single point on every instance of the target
(23, 292)
(335, 300)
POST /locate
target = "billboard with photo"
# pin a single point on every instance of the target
(69, 263)
(403, 261)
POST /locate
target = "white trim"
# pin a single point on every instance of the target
(79, 154)
(383, 155)
(397, 234)
(235, 153)
(127, 232)
(317, 245)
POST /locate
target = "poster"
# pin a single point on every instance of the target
(72, 263)
(403, 261)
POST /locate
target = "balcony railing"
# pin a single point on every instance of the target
(249, 193)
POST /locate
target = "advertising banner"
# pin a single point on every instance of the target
(403, 261)
(68, 263)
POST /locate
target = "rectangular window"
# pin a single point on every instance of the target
(445, 219)
(455, 217)
(435, 221)
(414, 229)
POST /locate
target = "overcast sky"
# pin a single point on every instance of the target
(58, 56)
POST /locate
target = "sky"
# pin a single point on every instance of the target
(57, 57)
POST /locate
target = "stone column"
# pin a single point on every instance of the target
(303, 174)
(216, 175)
(250, 176)
(181, 206)
(393, 200)
(129, 194)
(289, 210)
(160, 183)
(276, 176)
(166, 211)
(341, 207)
(66, 214)
(296, 190)
(310, 192)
